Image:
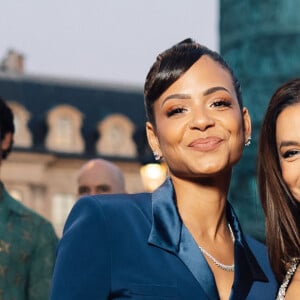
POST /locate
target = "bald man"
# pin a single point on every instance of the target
(99, 176)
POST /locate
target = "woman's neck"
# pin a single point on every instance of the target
(201, 204)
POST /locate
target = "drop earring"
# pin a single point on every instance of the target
(248, 143)
(156, 155)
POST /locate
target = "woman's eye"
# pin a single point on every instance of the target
(221, 103)
(290, 153)
(177, 110)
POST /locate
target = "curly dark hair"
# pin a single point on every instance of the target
(6, 125)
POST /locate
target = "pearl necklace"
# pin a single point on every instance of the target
(228, 268)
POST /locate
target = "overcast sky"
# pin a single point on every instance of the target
(102, 40)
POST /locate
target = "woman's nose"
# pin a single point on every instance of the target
(201, 120)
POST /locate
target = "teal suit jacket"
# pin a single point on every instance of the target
(136, 247)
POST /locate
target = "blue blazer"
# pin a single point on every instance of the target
(136, 247)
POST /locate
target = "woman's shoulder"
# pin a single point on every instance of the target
(116, 203)
(113, 209)
(258, 251)
(254, 244)
(122, 199)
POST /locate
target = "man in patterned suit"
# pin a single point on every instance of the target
(27, 241)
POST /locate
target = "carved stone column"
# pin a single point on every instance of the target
(261, 41)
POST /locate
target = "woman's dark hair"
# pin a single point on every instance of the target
(173, 63)
(6, 125)
(280, 208)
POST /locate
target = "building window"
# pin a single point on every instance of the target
(64, 135)
(22, 136)
(61, 207)
(116, 137)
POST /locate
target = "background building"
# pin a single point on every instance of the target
(60, 124)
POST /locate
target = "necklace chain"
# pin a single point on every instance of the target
(228, 268)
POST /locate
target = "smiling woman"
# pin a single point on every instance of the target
(183, 241)
(279, 185)
(288, 147)
(210, 129)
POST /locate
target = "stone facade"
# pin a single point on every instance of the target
(61, 125)
(48, 184)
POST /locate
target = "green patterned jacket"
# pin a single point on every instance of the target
(27, 251)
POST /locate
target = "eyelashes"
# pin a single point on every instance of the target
(290, 153)
(218, 104)
(177, 110)
(221, 103)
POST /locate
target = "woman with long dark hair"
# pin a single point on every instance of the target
(279, 185)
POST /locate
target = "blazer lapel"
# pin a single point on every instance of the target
(247, 269)
(169, 233)
(192, 257)
(166, 225)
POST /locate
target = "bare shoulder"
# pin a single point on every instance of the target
(293, 292)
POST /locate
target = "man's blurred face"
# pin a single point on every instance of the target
(87, 188)
(97, 179)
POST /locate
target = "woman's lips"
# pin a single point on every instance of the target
(205, 144)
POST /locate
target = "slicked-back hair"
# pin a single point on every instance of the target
(171, 64)
(6, 124)
(282, 211)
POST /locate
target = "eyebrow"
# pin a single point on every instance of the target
(214, 89)
(177, 96)
(288, 143)
(106, 185)
(188, 96)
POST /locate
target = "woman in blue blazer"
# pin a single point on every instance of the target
(183, 241)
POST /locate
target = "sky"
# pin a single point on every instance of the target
(108, 41)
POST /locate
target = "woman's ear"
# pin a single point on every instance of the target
(153, 139)
(247, 124)
(6, 141)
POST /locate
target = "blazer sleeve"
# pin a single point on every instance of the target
(82, 267)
